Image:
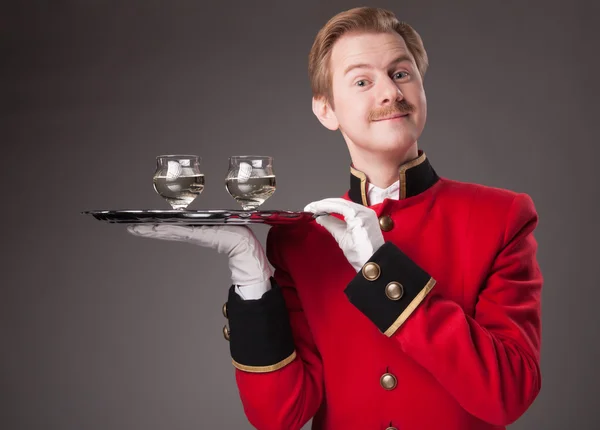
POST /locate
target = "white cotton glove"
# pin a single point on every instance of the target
(359, 236)
(248, 263)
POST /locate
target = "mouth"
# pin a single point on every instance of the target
(393, 117)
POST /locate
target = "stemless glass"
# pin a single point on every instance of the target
(178, 179)
(250, 180)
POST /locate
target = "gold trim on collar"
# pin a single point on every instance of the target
(363, 184)
(402, 173)
(265, 369)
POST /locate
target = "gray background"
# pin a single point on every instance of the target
(103, 330)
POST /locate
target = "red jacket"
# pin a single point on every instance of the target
(446, 337)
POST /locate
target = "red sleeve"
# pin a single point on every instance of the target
(287, 394)
(489, 362)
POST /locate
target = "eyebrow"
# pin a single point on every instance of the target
(351, 67)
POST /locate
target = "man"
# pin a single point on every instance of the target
(416, 303)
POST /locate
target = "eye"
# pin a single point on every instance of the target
(361, 83)
(399, 73)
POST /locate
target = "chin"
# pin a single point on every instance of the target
(393, 145)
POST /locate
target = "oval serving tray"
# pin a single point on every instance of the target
(201, 217)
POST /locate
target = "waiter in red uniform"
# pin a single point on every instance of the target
(415, 305)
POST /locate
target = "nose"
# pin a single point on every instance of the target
(389, 91)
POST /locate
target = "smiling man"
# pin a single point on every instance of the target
(373, 92)
(415, 305)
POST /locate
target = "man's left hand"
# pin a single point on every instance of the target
(359, 235)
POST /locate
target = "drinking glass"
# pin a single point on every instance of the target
(178, 179)
(250, 180)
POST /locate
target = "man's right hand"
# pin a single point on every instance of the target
(250, 270)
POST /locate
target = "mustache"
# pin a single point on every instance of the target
(398, 108)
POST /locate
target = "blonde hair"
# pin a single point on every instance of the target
(360, 19)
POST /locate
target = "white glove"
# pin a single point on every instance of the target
(359, 236)
(248, 263)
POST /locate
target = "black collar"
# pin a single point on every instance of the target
(415, 177)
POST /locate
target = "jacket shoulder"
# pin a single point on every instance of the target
(291, 238)
(489, 208)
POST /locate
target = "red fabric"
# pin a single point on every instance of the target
(467, 358)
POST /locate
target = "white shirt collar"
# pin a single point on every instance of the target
(377, 195)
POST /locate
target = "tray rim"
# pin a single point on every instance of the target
(202, 216)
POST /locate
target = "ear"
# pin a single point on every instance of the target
(325, 113)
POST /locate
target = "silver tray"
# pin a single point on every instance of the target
(205, 217)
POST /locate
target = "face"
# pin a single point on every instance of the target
(379, 102)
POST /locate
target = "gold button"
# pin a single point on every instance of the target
(394, 291)
(388, 381)
(371, 271)
(226, 332)
(391, 428)
(225, 310)
(386, 223)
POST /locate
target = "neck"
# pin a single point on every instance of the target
(382, 169)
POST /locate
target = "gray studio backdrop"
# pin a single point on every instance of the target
(102, 330)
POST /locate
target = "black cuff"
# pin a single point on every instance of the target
(389, 288)
(260, 336)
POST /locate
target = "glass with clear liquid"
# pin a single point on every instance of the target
(178, 179)
(250, 180)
